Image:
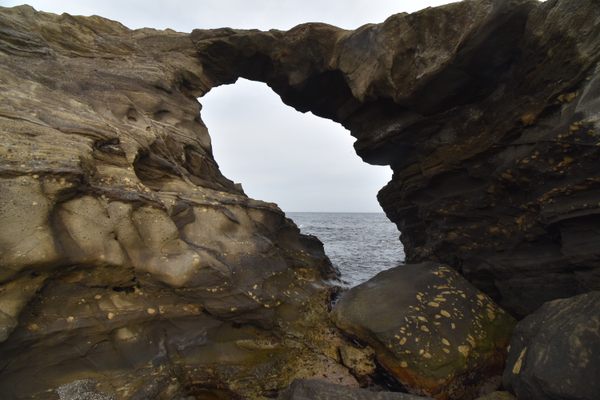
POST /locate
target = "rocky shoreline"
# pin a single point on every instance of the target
(131, 268)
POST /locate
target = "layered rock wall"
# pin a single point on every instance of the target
(126, 256)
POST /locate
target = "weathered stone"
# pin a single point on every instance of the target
(82, 390)
(435, 332)
(361, 361)
(487, 112)
(126, 256)
(320, 390)
(555, 352)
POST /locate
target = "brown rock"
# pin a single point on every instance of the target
(554, 352)
(305, 389)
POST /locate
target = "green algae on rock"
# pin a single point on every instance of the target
(430, 328)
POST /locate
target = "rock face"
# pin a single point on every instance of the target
(487, 112)
(555, 352)
(127, 259)
(125, 256)
(430, 328)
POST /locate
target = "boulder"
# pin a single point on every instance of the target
(126, 257)
(555, 352)
(430, 328)
(313, 389)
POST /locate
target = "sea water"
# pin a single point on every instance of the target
(360, 245)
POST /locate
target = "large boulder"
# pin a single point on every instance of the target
(555, 352)
(430, 328)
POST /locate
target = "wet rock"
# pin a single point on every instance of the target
(320, 390)
(555, 352)
(430, 328)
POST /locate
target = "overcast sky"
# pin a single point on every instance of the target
(300, 161)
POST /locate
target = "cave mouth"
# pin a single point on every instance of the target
(307, 165)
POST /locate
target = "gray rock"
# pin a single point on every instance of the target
(430, 328)
(312, 389)
(555, 352)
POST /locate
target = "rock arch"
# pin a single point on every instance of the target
(451, 108)
(122, 242)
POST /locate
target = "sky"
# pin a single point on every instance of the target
(299, 161)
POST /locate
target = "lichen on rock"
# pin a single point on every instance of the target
(430, 328)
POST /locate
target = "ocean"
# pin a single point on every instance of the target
(360, 245)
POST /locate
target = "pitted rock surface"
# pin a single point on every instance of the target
(430, 328)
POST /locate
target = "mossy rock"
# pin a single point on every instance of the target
(430, 328)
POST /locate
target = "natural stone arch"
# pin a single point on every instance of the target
(300, 161)
(438, 103)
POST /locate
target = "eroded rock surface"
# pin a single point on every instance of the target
(497, 396)
(127, 258)
(487, 112)
(435, 332)
(555, 352)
